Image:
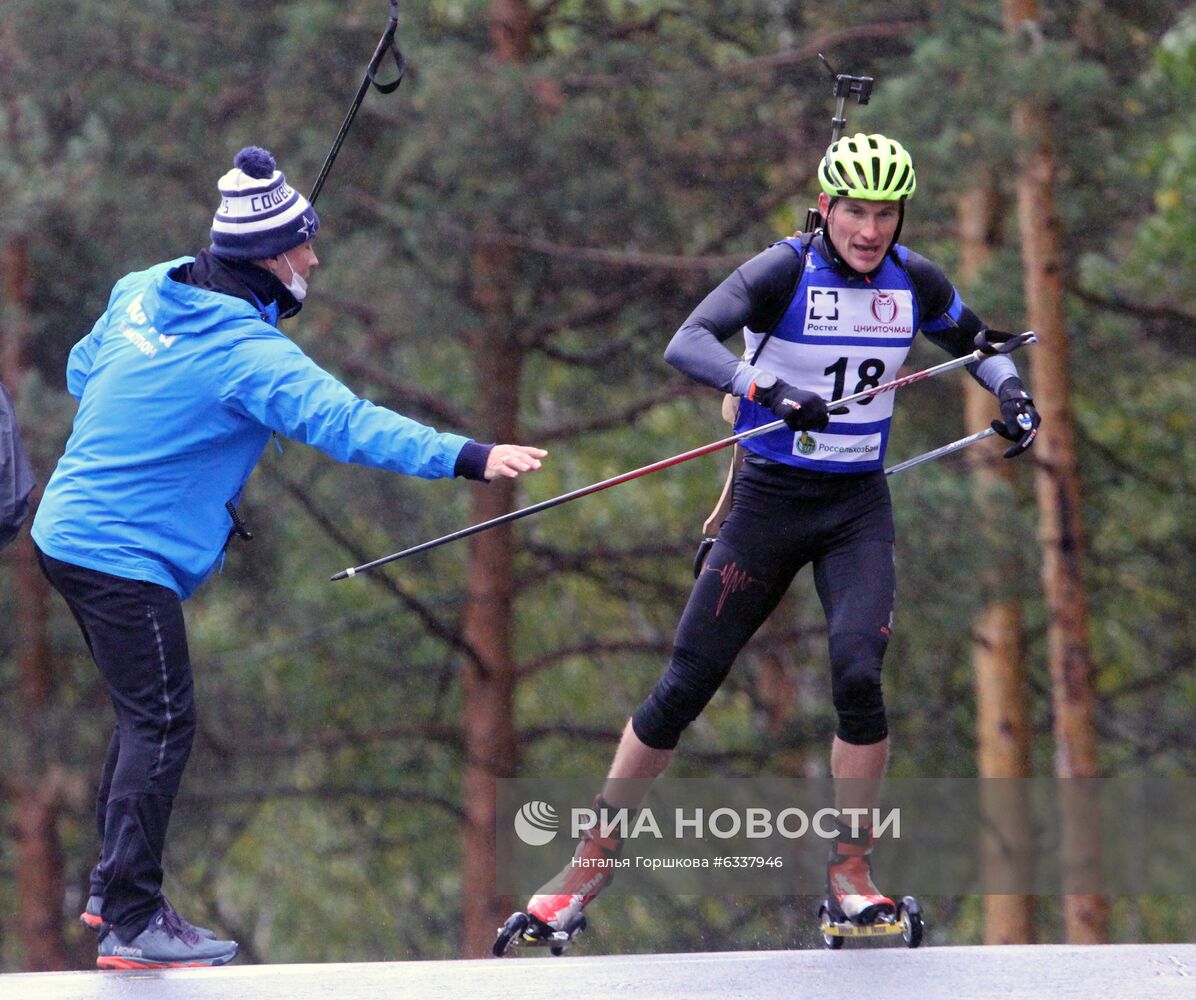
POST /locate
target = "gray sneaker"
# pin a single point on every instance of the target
(92, 917)
(168, 942)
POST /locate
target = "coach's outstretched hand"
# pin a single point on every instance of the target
(508, 460)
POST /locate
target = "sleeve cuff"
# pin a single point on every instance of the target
(1012, 388)
(471, 461)
(745, 375)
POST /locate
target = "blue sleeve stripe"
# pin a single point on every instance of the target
(949, 319)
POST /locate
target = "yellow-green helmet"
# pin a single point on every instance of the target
(870, 167)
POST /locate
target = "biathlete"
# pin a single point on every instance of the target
(824, 317)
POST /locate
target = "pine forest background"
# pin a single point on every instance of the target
(508, 243)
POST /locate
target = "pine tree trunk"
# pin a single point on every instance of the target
(491, 741)
(490, 738)
(1002, 729)
(1057, 486)
(39, 867)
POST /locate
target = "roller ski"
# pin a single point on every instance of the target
(905, 919)
(554, 915)
(853, 906)
(530, 931)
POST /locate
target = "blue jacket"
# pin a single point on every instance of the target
(179, 390)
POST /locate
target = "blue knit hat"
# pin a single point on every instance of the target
(260, 215)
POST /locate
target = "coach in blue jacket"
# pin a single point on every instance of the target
(180, 384)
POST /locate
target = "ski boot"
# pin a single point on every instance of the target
(554, 914)
(849, 878)
(853, 906)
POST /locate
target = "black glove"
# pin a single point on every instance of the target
(1019, 420)
(801, 410)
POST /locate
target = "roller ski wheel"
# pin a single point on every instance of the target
(830, 939)
(523, 929)
(909, 916)
(836, 928)
(515, 925)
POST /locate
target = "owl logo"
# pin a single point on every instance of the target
(884, 307)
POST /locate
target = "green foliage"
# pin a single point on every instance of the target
(1161, 261)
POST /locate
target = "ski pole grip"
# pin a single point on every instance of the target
(992, 342)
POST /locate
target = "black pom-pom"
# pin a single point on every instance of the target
(256, 162)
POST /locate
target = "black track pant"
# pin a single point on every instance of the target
(136, 636)
(781, 519)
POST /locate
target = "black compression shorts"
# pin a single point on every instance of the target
(781, 519)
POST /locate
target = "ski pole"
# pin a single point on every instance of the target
(385, 44)
(988, 348)
(946, 449)
(719, 512)
(985, 348)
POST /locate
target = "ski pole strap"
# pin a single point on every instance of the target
(990, 342)
(388, 44)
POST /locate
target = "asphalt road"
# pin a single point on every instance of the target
(1043, 971)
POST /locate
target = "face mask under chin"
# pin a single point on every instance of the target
(297, 286)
